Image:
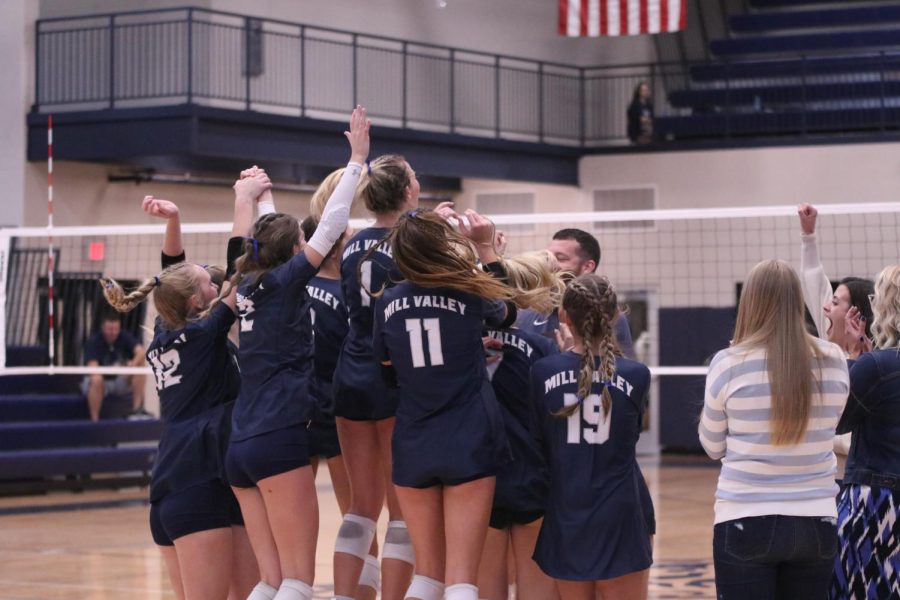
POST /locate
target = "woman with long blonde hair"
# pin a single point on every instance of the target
(772, 404)
(868, 564)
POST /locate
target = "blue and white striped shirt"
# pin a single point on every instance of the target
(757, 477)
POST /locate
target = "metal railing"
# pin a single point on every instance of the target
(198, 56)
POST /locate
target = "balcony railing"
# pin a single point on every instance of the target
(198, 56)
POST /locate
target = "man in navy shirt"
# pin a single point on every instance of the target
(577, 252)
(112, 347)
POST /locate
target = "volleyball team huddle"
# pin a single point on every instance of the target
(392, 354)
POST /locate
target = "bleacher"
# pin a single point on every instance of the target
(793, 68)
(47, 440)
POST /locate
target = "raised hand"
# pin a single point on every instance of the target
(855, 330)
(477, 228)
(253, 186)
(807, 214)
(445, 209)
(157, 207)
(358, 136)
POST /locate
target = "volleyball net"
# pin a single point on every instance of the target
(678, 271)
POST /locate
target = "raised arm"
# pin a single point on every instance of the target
(337, 211)
(814, 282)
(173, 245)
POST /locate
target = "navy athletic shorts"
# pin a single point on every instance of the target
(323, 438)
(210, 505)
(503, 518)
(267, 454)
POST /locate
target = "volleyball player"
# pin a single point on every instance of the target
(522, 484)
(576, 252)
(193, 517)
(449, 440)
(363, 406)
(268, 462)
(595, 537)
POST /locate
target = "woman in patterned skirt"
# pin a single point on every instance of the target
(868, 564)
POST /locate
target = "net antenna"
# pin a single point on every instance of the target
(51, 350)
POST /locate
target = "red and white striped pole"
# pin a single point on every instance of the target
(50, 261)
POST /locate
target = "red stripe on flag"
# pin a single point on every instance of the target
(645, 18)
(663, 15)
(584, 17)
(623, 17)
(563, 17)
(604, 18)
(682, 20)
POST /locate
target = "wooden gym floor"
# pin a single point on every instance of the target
(97, 545)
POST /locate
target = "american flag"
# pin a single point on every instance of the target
(595, 18)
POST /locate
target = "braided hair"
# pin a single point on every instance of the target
(172, 289)
(591, 303)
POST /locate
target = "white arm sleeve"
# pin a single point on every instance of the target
(337, 211)
(265, 207)
(816, 286)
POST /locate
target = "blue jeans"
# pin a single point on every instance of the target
(774, 557)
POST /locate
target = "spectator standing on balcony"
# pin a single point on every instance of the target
(640, 115)
(112, 347)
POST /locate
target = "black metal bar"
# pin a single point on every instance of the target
(541, 102)
(583, 107)
(190, 56)
(497, 96)
(723, 10)
(355, 66)
(112, 61)
(247, 62)
(452, 91)
(303, 70)
(404, 93)
(703, 32)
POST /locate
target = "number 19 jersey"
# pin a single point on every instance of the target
(595, 526)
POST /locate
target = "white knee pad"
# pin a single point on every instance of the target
(461, 591)
(294, 589)
(397, 544)
(370, 575)
(355, 536)
(262, 591)
(425, 588)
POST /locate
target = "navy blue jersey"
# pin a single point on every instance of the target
(276, 350)
(522, 484)
(449, 429)
(329, 319)
(433, 338)
(120, 352)
(530, 320)
(197, 379)
(359, 392)
(594, 487)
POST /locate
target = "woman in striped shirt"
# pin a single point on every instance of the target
(772, 403)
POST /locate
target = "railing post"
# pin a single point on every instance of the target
(582, 109)
(355, 66)
(541, 102)
(190, 56)
(112, 61)
(37, 74)
(303, 70)
(404, 98)
(247, 63)
(452, 90)
(496, 96)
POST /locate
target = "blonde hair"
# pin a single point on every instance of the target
(886, 308)
(536, 280)
(323, 193)
(770, 316)
(429, 253)
(172, 290)
(383, 184)
(591, 303)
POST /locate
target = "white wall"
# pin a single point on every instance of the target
(16, 47)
